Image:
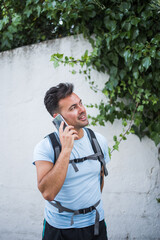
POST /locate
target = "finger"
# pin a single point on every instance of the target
(68, 128)
(72, 131)
(61, 128)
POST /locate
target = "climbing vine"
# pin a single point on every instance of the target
(125, 38)
(126, 45)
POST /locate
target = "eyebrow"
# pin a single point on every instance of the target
(74, 105)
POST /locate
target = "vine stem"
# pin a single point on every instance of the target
(71, 61)
(128, 129)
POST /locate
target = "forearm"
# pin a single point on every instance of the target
(53, 181)
(51, 178)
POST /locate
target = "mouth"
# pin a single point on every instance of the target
(82, 117)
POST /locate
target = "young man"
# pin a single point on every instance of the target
(73, 206)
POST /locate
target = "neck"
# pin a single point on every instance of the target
(80, 132)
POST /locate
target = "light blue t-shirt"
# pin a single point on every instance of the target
(81, 189)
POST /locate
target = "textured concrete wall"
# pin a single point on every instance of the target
(130, 191)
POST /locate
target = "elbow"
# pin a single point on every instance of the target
(45, 193)
(48, 196)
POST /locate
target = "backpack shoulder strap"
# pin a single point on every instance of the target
(96, 148)
(93, 140)
(55, 144)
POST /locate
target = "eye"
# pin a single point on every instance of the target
(72, 108)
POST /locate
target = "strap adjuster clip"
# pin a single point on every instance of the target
(84, 211)
(91, 209)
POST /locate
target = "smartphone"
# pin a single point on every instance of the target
(57, 121)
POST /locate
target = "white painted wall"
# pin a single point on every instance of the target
(130, 191)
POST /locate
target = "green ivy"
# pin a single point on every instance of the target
(128, 49)
(126, 45)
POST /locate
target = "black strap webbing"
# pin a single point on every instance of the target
(55, 144)
(80, 211)
(96, 148)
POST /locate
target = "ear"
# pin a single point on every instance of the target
(55, 114)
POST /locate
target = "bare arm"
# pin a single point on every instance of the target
(50, 178)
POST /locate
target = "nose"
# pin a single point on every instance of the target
(81, 108)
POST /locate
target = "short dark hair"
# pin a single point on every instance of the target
(55, 94)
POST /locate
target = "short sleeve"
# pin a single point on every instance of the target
(104, 146)
(43, 151)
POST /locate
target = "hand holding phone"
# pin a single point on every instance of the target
(57, 121)
(69, 135)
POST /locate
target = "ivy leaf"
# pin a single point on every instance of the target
(124, 7)
(122, 73)
(60, 56)
(136, 75)
(124, 138)
(105, 91)
(56, 63)
(39, 10)
(74, 72)
(110, 24)
(115, 138)
(127, 55)
(135, 33)
(108, 40)
(156, 137)
(6, 43)
(28, 12)
(1, 25)
(114, 58)
(116, 146)
(153, 52)
(146, 62)
(124, 123)
(140, 108)
(92, 14)
(109, 85)
(158, 54)
(126, 25)
(135, 21)
(113, 71)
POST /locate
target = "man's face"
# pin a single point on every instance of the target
(73, 111)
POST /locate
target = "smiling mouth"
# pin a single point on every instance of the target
(82, 117)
